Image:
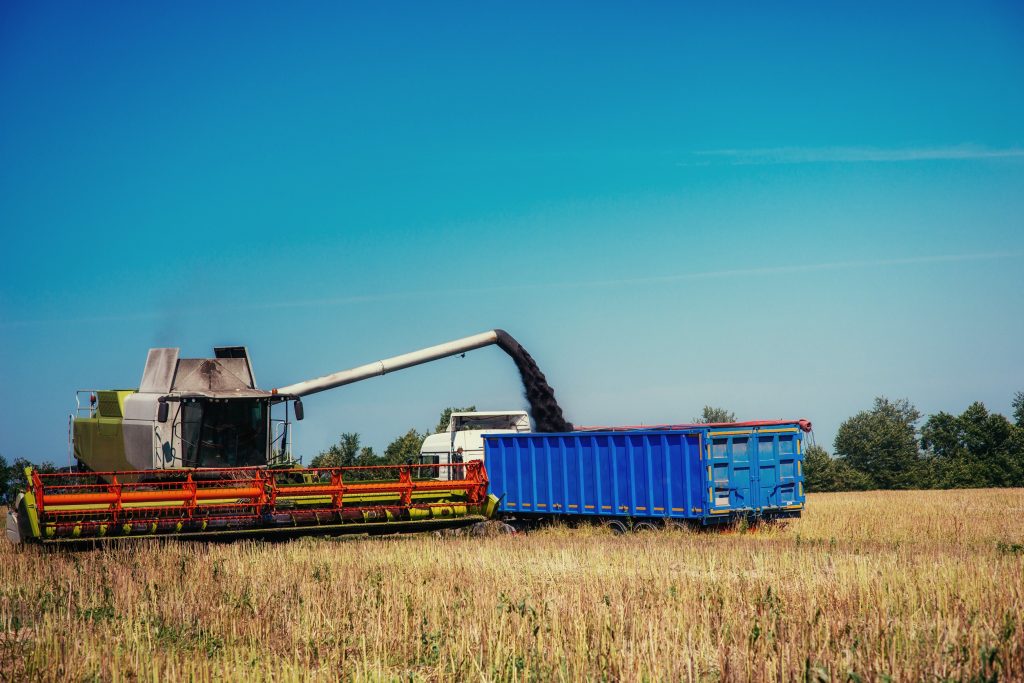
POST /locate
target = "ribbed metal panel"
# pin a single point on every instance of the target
(701, 473)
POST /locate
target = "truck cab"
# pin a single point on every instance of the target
(463, 439)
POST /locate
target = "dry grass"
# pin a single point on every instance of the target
(916, 585)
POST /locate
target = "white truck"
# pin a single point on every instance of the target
(464, 441)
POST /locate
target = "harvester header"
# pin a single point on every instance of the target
(250, 501)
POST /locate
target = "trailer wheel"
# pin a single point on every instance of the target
(617, 527)
(645, 526)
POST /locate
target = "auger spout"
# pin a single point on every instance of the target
(381, 367)
(546, 412)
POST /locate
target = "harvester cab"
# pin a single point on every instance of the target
(186, 413)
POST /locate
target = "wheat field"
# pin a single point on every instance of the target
(906, 585)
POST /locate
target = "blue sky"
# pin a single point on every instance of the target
(786, 210)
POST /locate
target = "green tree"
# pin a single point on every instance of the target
(446, 415)
(1018, 408)
(405, 448)
(12, 477)
(822, 473)
(882, 444)
(346, 453)
(9, 482)
(975, 448)
(712, 414)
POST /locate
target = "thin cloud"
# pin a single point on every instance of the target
(852, 155)
(812, 267)
(582, 284)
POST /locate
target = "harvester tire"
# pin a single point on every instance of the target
(491, 528)
(17, 525)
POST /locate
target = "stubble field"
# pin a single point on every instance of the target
(910, 585)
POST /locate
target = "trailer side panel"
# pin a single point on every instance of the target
(710, 474)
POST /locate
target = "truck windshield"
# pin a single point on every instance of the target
(431, 459)
(484, 423)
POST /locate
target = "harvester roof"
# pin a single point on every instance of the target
(228, 375)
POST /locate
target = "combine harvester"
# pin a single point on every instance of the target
(199, 452)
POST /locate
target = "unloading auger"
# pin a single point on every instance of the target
(199, 451)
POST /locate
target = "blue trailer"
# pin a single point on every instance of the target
(643, 477)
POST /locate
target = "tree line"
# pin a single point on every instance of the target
(880, 448)
(349, 451)
(883, 448)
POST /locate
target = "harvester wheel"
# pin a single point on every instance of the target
(491, 527)
(16, 522)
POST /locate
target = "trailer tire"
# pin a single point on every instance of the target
(645, 526)
(616, 526)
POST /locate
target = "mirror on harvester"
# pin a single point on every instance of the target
(299, 413)
(161, 412)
